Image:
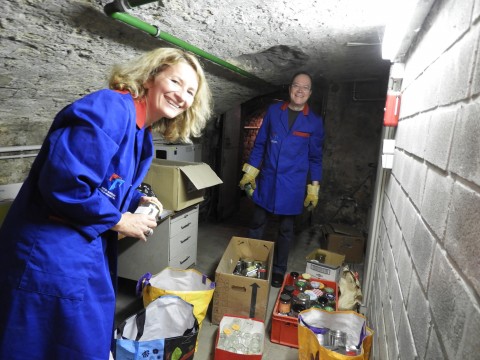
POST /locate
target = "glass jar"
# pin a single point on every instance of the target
(285, 304)
(289, 289)
(302, 299)
(322, 301)
(149, 208)
(294, 277)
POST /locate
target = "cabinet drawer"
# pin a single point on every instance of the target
(185, 259)
(183, 240)
(183, 222)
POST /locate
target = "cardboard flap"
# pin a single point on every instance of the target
(201, 175)
(345, 230)
(329, 259)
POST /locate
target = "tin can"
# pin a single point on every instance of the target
(249, 262)
(238, 268)
(262, 273)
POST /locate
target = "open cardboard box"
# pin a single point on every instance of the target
(346, 240)
(241, 295)
(180, 184)
(325, 265)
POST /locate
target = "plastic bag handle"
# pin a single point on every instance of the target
(142, 282)
(316, 330)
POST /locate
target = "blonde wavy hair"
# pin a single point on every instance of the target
(132, 76)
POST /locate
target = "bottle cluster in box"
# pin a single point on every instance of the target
(285, 324)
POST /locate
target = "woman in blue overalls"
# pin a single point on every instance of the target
(287, 149)
(58, 241)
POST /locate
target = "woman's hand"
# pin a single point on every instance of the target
(154, 200)
(136, 225)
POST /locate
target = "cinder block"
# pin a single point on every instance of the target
(449, 301)
(396, 297)
(422, 252)
(390, 333)
(405, 338)
(465, 157)
(463, 227)
(436, 198)
(418, 308)
(439, 138)
(413, 181)
(404, 271)
(454, 77)
(434, 349)
(469, 346)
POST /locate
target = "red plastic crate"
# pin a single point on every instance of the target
(285, 328)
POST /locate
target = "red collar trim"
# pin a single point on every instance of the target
(140, 110)
(305, 107)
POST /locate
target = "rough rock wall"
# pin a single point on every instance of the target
(54, 52)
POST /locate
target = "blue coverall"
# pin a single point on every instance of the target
(57, 254)
(285, 158)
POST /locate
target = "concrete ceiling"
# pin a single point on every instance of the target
(335, 40)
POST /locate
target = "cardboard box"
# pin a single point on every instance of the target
(180, 184)
(239, 295)
(346, 240)
(255, 327)
(325, 265)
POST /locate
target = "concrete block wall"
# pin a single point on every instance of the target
(426, 298)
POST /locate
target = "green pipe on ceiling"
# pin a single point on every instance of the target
(154, 31)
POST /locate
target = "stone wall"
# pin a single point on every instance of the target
(425, 302)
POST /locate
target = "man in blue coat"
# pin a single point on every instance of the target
(287, 150)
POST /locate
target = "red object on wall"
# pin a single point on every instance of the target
(392, 108)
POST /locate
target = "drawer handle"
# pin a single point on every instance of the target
(187, 225)
(181, 262)
(182, 241)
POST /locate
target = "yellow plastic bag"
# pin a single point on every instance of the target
(313, 321)
(191, 285)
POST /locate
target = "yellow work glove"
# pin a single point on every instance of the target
(249, 176)
(311, 200)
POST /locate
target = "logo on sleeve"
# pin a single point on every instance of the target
(274, 138)
(114, 183)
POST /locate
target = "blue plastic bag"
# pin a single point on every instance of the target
(166, 329)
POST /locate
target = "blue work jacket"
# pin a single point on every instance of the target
(57, 299)
(285, 157)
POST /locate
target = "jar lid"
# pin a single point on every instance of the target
(311, 294)
(285, 297)
(306, 276)
(289, 288)
(294, 274)
(303, 297)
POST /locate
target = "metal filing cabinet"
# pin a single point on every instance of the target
(173, 243)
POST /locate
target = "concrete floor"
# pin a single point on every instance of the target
(213, 238)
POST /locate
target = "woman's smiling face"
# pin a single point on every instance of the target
(170, 92)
